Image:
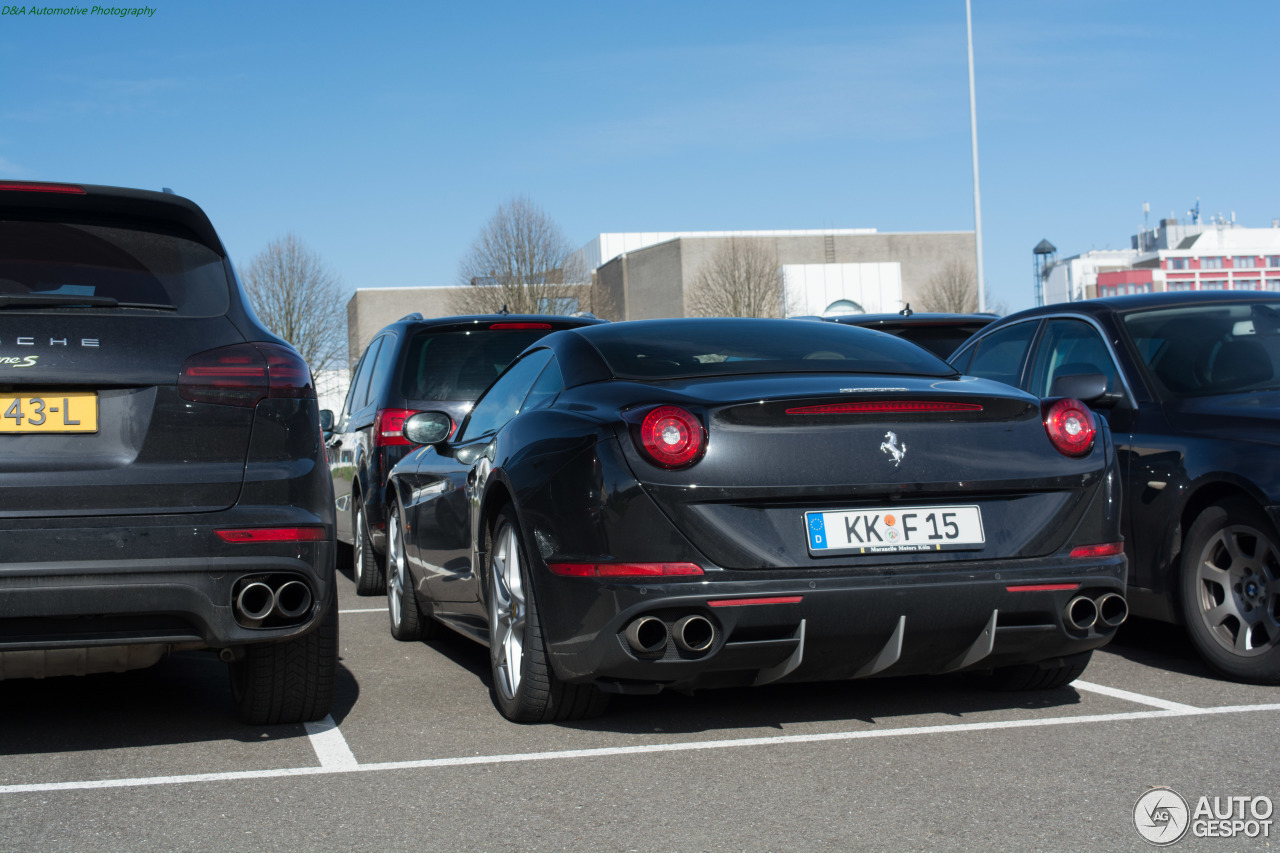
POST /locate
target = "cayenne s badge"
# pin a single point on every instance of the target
(890, 445)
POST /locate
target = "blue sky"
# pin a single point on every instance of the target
(385, 134)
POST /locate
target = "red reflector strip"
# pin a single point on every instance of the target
(1043, 587)
(889, 406)
(743, 602)
(520, 326)
(34, 187)
(274, 534)
(1109, 549)
(624, 570)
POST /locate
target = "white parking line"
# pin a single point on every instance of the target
(605, 752)
(330, 746)
(366, 610)
(1141, 699)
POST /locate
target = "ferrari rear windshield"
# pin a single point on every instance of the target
(673, 349)
(61, 265)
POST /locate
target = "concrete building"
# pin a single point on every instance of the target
(1198, 256)
(824, 272)
(646, 275)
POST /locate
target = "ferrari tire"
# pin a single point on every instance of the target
(525, 688)
(1229, 587)
(367, 570)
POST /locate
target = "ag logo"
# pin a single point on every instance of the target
(1161, 816)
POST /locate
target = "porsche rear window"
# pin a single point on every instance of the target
(48, 263)
(672, 349)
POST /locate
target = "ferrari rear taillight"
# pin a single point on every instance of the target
(1070, 426)
(244, 374)
(672, 437)
(389, 425)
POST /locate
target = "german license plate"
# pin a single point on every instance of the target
(52, 411)
(894, 529)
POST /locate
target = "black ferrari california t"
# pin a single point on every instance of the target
(716, 502)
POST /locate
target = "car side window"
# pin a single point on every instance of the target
(382, 367)
(550, 383)
(503, 400)
(1000, 355)
(1070, 347)
(360, 386)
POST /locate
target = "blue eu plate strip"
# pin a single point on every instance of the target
(817, 531)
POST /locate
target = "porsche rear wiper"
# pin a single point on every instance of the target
(68, 300)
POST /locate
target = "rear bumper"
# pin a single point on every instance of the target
(77, 583)
(842, 626)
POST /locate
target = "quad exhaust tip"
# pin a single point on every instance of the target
(1081, 613)
(647, 635)
(1112, 610)
(693, 633)
(293, 599)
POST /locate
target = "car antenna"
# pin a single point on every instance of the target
(906, 310)
(504, 310)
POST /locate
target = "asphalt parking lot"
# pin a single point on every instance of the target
(417, 758)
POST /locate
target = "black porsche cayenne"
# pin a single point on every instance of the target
(700, 503)
(162, 484)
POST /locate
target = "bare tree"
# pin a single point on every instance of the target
(952, 289)
(523, 261)
(300, 299)
(739, 279)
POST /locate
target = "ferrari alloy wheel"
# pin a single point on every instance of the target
(408, 622)
(1231, 591)
(525, 688)
(368, 573)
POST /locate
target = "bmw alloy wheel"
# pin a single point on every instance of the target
(1237, 590)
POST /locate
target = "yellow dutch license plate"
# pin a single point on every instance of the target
(51, 411)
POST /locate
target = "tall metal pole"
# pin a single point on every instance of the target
(977, 197)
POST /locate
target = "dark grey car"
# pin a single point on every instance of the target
(1190, 384)
(413, 364)
(162, 484)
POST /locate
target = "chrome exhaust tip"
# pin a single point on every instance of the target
(1112, 610)
(647, 635)
(293, 599)
(1081, 613)
(693, 633)
(254, 603)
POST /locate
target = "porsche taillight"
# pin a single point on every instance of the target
(1070, 425)
(243, 374)
(671, 437)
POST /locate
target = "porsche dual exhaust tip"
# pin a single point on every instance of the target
(1081, 613)
(254, 604)
(271, 602)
